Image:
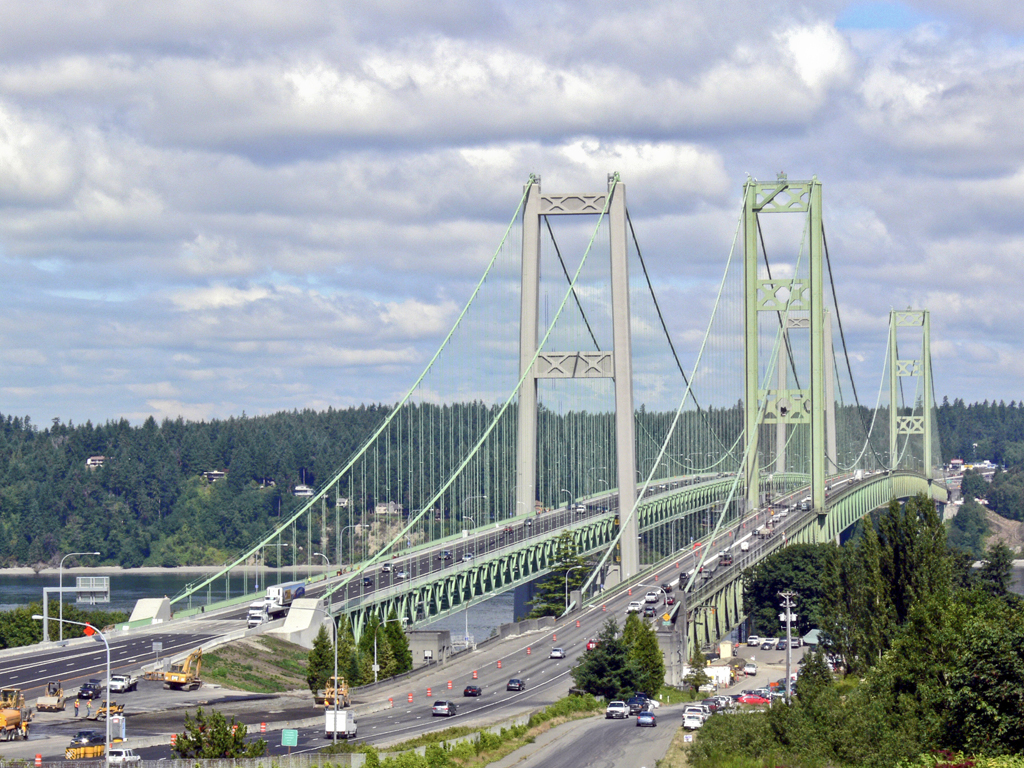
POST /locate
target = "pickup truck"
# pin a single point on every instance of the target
(123, 683)
(93, 689)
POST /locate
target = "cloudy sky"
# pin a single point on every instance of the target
(215, 207)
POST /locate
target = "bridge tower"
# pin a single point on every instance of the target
(799, 302)
(616, 364)
(911, 367)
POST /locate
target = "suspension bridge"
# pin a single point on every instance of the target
(560, 407)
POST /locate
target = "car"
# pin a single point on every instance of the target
(648, 612)
(750, 668)
(557, 653)
(652, 597)
(515, 684)
(123, 756)
(367, 581)
(795, 642)
(647, 719)
(754, 641)
(386, 568)
(473, 690)
(744, 546)
(667, 586)
(467, 557)
(509, 529)
(670, 600)
(446, 708)
(616, 710)
(768, 645)
(401, 574)
(444, 555)
(634, 607)
(713, 704)
(93, 689)
(636, 704)
(724, 702)
(750, 698)
(88, 737)
(591, 644)
(692, 721)
(725, 559)
(696, 709)
(781, 645)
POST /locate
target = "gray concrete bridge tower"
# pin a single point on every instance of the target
(616, 363)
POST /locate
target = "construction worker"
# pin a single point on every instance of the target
(88, 707)
(76, 707)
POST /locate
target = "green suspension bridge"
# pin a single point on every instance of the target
(560, 404)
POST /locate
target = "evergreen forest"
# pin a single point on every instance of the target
(150, 503)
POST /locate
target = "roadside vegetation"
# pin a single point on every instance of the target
(261, 664)
(18, 628)
(930, 652)
(355, 660)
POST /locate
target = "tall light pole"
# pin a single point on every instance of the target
(565, 490)
(469, 498)
(89, 630)
(60, 571)
(334, 632)
(570, 570)
(340, 539)
(321, 554)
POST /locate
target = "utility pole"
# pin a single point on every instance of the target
(789, 617)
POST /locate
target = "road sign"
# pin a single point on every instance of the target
(289, 737)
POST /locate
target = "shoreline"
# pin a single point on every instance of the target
(145, 570)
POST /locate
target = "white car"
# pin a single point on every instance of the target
(750, 668)
(123, 756)
(557, 653)
(467, 557)
(692, 721)
(617, 710)
(634, 607)
(652, 597)
(754, 640)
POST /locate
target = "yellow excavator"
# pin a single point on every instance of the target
(336, 686)
(184, 676)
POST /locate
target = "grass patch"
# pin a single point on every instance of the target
(257, 664)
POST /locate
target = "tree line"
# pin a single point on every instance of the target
(150, 503)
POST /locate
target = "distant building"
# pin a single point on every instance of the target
(214, 475)
(389, 508)
(302, 490)
(95, 462)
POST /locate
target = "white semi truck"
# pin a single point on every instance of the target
(342, 722)
(275, 603)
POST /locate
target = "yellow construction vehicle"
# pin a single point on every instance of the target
(339, 685)
(14, 724)
(103, 713)
(12, 698)
(184, 676)
(53, 701)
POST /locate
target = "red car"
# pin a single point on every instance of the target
(670, 600)
(591, 644)
(750, 698)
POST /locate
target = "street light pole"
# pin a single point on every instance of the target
(60, 571)
(326, 559)
(106, 745)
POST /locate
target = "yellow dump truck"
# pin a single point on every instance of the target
(13, 724)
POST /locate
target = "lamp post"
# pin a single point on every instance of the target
(570, 570)
(334, 632)
(564, 490)
(376, 666)
(321, 554)
(341, 538)
(60, 571)
(89, 630)
(469, 498)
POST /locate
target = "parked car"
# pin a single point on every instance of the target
(750, 668)
(446, 708)
(713, 705)
(754, 641)
(616, 710)
(781, 645)
(646, 718)
(652, 597)
(750, 698)
(123, 756)
(515, 684)
(472, 690)
(692, 721)
(93, 689)
(557, 653)
(795, 642)
(696, 709)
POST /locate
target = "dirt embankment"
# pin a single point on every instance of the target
(1009, 532)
